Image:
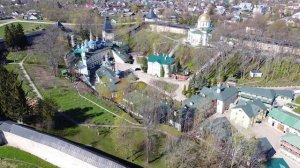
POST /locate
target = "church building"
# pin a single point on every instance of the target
(201, 34)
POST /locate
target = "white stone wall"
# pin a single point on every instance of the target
(116, 57)
(46, 153)
(281, 101)
(163, 28)
(154, 69)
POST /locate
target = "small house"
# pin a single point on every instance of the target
(290, 146)
(158, 63)
(255, 73)
(247, 113)
(284, 121)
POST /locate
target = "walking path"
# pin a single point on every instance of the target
(31, 83)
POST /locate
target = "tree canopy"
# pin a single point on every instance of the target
(15, 37)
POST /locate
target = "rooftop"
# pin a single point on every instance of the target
(162, 59)
(225, 94)
(286, 118)
(292, 139)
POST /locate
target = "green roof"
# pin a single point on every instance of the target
(286, 118)
(268, 93)
(162, 59)
(252, 108)
(226, 92)
(292, 139)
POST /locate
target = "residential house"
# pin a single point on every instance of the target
(158, 62)
(255, 73)
(224, 96)
(290, 146)
(247, 113)
(183, 119)
(284, 121)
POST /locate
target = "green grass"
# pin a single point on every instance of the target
(298, 100)
(106, 139)
(21, 159)
(168, 87)
(15, 57)
(28, 27)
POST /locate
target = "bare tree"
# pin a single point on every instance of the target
(52, 45)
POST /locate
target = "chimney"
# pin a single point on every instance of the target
(91, 36)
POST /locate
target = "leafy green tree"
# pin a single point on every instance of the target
(8, 36)
(162, 71)
(15, 37)
(3, 56)
(21, 40)
(44, 112)
(144, 64)
(13, 103)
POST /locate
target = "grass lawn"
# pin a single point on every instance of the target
(28, 27)
(14, 157)
(298, 100)
(15, 57)
(168, 87)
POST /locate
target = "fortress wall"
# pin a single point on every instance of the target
(44, 152)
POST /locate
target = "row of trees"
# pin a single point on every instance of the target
(15, 37)
(14, 103)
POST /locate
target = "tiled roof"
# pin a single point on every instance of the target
(292, 139)
(286, 118)
(161, 59)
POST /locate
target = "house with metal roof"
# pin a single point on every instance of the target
(284, 121)
(268, 96)
(224, 96)
(58, 151)
(157, 62)
(290, 146)
(247, 113)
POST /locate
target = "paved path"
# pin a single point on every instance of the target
(31, 83)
